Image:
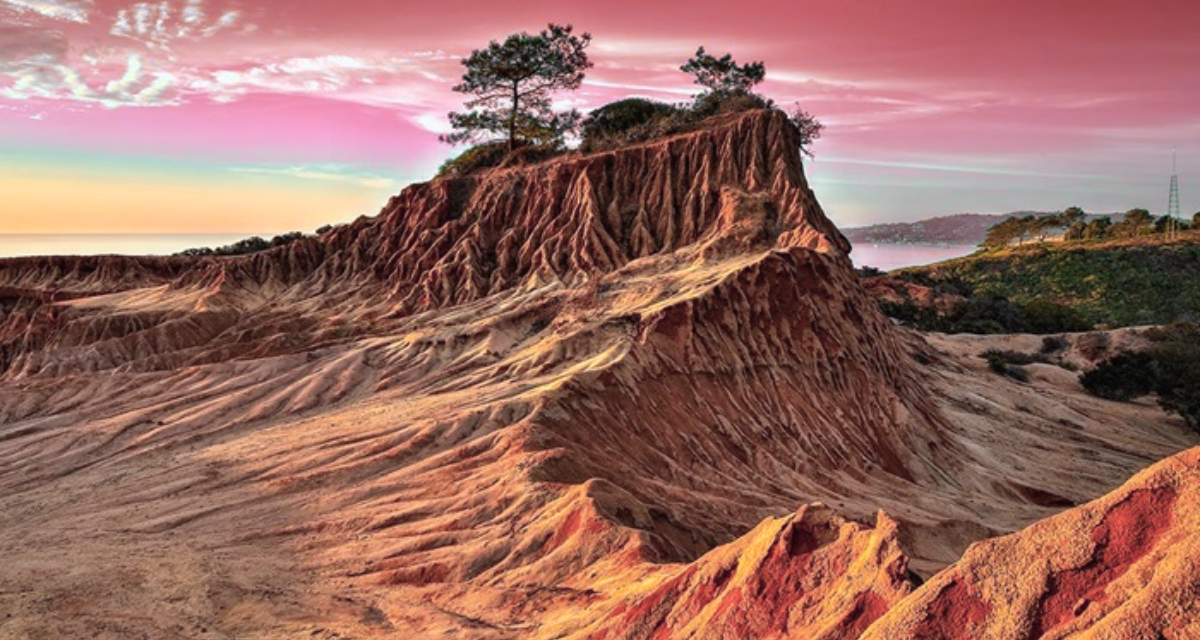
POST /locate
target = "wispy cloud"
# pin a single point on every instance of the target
(324, 173)
(19, 44)
(36, 59)
(38, 69)
(958, 167)
(56, 9)
(412, 85)
(158, 25)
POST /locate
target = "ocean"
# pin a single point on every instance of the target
(896, 256)
(15, 245)
(881, 256)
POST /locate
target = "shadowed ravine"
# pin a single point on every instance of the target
(585, 399)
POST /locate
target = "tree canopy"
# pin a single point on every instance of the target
(1134, 223)
(724, 74)
(809, 128)
(512, 83)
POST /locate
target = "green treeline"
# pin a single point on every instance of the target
(1072, 225)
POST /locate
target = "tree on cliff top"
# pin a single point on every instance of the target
(724, 74)
(729, 87)
(511, 83)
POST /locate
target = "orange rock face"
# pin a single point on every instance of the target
(808, 575)
(546, 402)
(1124, 566)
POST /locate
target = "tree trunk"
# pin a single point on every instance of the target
(512, 120)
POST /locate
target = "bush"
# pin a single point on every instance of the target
(1092, 346)
(868, 272)
(625, 121)
(921, 317)
(998, 363)
(986, 314)
(493, 155)
(253, 244)
(476, 158)
(1015, 357)
(637, 120)
(1042, 316)
(1054, 344)
(285, 239)
(1178, 380)
(1174, 332)
(715, 103)
(1123, 377)
(1169, 369)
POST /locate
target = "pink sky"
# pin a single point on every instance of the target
(256, 108)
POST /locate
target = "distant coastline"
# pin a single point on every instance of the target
(951, 230)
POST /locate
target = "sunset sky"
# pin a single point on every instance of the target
(208, 116)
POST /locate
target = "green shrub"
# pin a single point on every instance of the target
(1014, 357)
(1175, 332)
(1092, 346)
(1170, 369)
(1125, 376)
(1002, 362)
(476, 158)
(496, 154)
(1054, 344)
(637, 120)
(1017, 373)
(715, 103)
(626, 121)
(1178, 380)
(285, 239)
(253, 244)
(1043, 316)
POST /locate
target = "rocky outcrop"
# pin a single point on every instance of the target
(1124, 566)
(453, 241)
(809, 575)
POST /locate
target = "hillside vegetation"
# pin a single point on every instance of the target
(1144, 280)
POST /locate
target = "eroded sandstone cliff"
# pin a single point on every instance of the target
(542, 402)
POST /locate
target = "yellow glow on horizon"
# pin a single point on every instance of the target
(47, 200)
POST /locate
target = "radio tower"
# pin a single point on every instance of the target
(1173, 199)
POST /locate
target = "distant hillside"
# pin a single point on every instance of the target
(1146, 280)
(961, 228)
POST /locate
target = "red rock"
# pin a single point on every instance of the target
(1123, 566)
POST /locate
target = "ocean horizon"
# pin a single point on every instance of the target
(886, 256)
(97, 244)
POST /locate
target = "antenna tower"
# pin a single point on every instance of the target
(1173, 199)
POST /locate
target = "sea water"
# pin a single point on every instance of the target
(895, 256)
(15, 245)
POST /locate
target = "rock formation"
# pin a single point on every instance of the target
(540, 402)
(808, 575)
(1124, 566)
